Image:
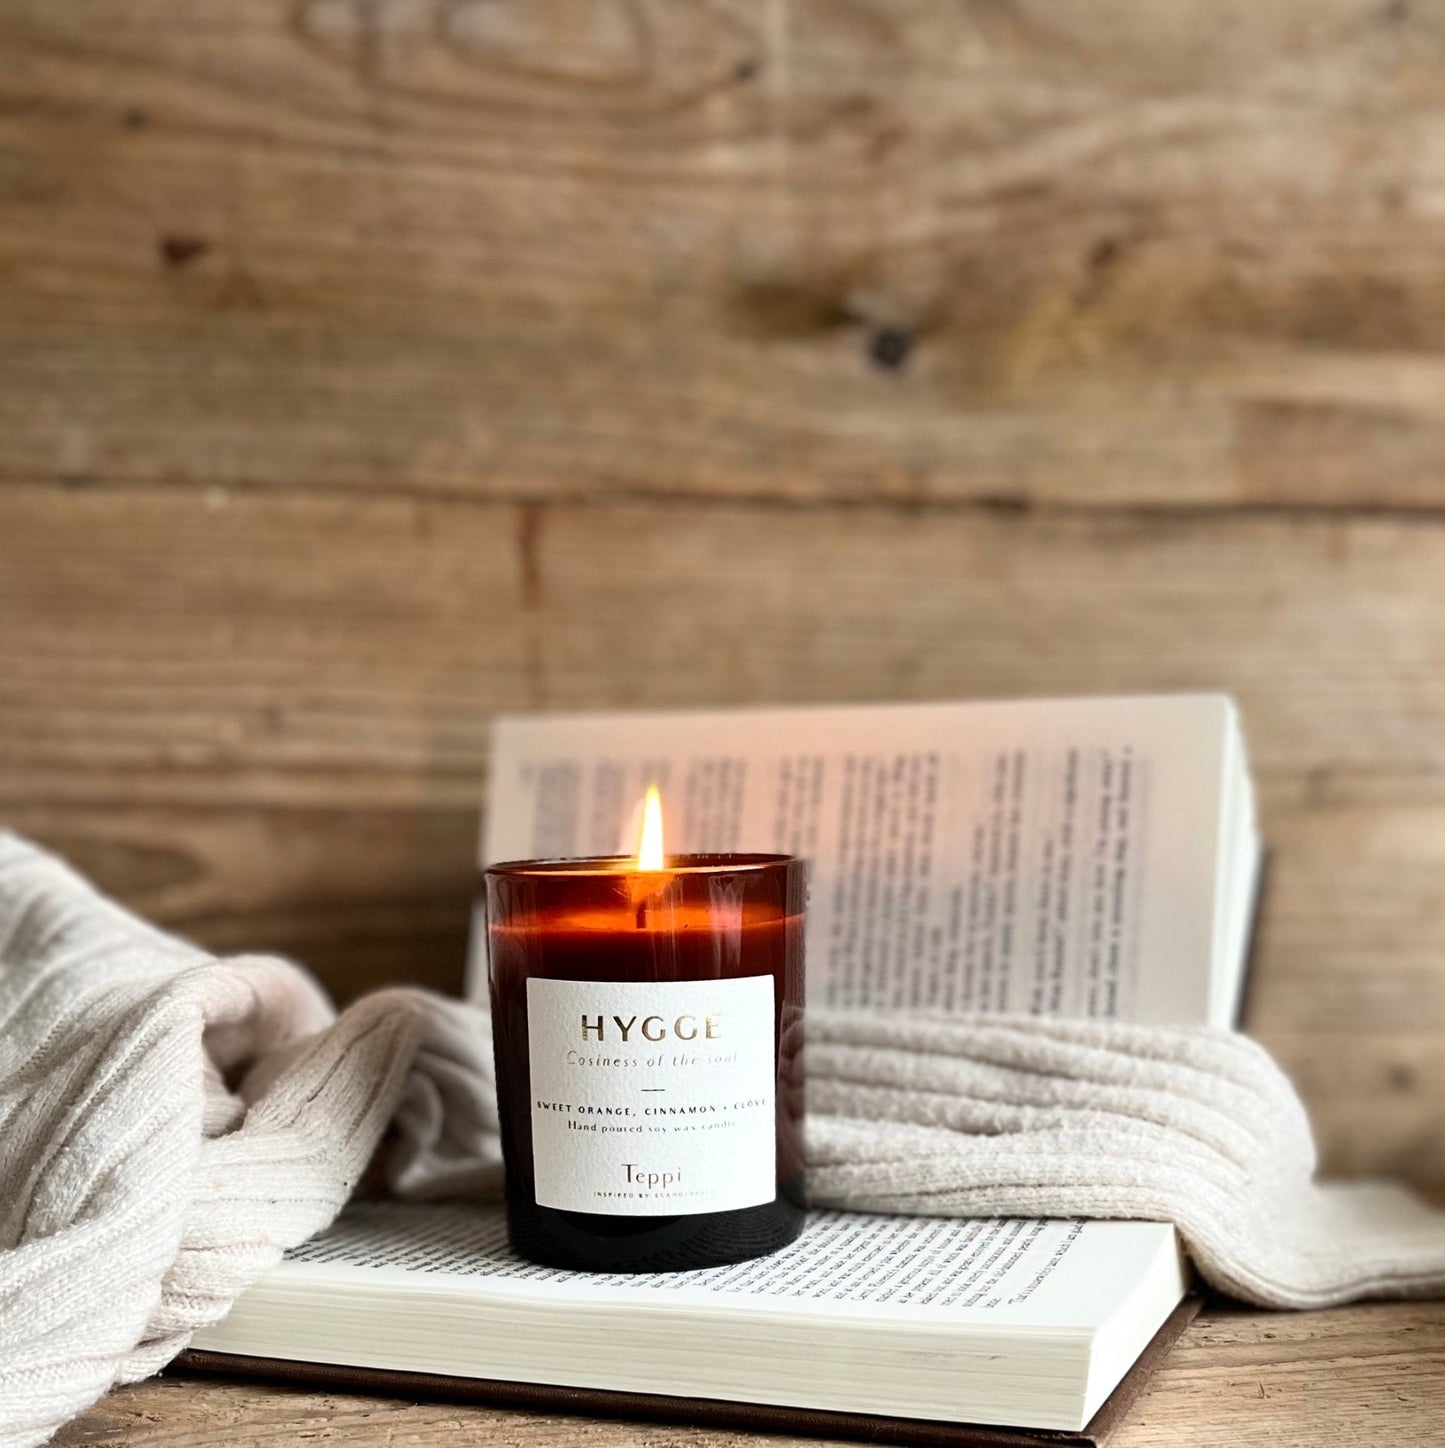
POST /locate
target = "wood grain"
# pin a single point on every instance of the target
(1289, 1380)
(913, 251)
(304, 648)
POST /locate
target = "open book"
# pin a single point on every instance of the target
(1069, 857)
(863, 1324)
(1092, 857)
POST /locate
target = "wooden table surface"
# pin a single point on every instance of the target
(368, 366)
(1290, 1380)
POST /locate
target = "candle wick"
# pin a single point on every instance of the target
(642, 914)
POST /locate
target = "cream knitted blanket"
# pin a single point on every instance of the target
(170, 1123)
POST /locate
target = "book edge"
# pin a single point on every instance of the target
(713, 1412)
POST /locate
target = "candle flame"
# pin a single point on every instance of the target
(649, 847)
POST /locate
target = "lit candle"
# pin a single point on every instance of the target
(647, 1019)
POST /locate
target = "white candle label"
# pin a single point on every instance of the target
(652, 1099)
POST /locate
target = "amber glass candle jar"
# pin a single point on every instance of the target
(648, 1034)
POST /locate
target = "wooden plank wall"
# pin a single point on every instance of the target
(367, 366)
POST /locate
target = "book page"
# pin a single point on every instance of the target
(1057, 857)
(1058, 1273)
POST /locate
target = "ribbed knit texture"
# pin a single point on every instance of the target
(171, 1123)
(1017, 1116)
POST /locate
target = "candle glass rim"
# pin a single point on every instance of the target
(603, 866)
